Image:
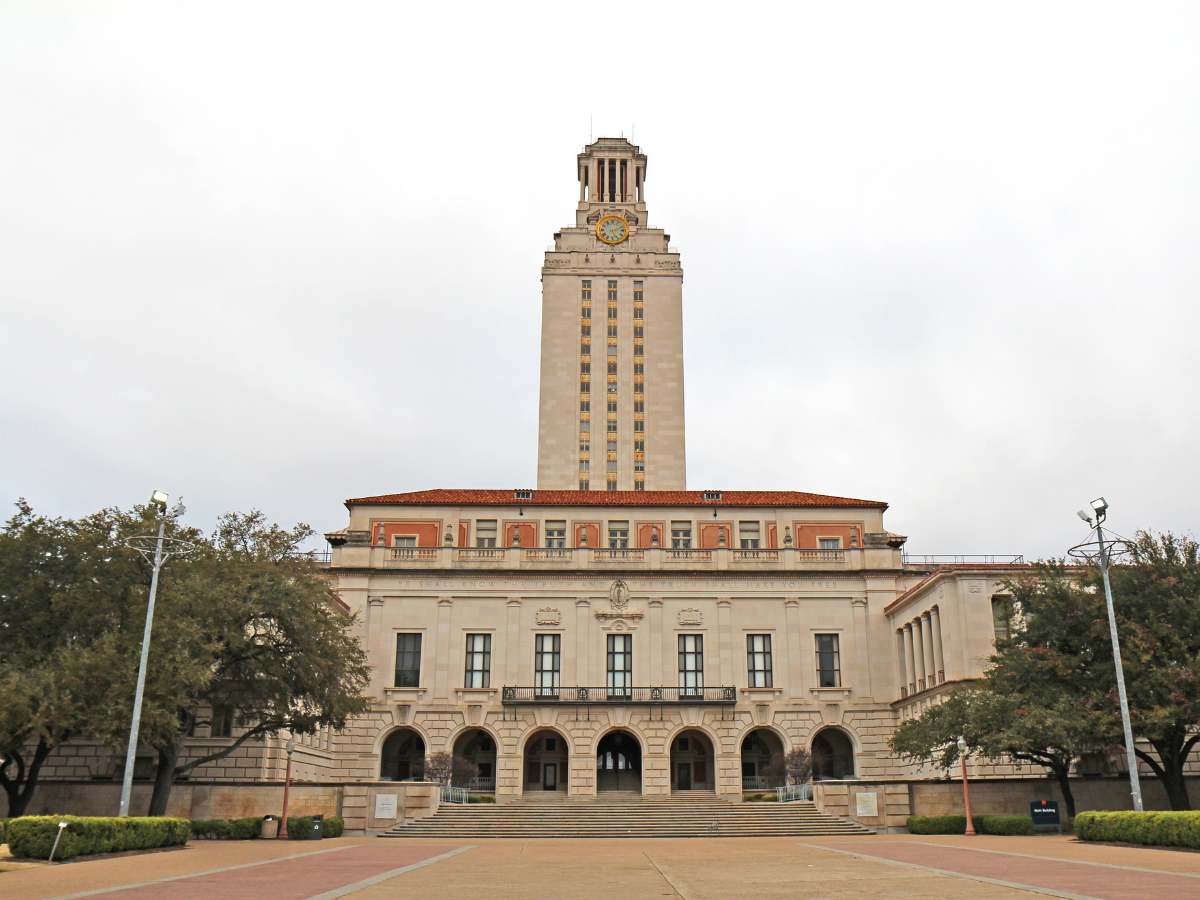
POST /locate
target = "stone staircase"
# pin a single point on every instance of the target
(612, 815)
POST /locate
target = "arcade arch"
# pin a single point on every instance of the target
(832, 755)
(619, 762)
(693, 764)
(762, 760)
(402, 757)
(545, 761)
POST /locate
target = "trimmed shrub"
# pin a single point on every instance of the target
(3, 825)
(1166, 829)
(764, 797)
(300, 828)
(958, 824)
(481, 798)
(31, 837)
(210, 828)
(332, 826)
(1003, 824)
(245, 829)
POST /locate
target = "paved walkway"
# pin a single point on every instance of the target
(698, 869)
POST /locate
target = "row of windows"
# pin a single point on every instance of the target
(749, 533)
(547, 662)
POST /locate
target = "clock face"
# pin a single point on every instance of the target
(612, 229)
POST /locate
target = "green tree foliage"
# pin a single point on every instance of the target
(1050, 695)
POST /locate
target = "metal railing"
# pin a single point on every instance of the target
(320, 557)
(790, 792)
(754, 783)
(962, 559)
(453, 794)
(482, 785)
(513, 696)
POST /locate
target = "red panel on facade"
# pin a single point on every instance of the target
(527, 530)
(710, 535)
(592, 530)
(647, 532)
(425, 532)
(806, 534)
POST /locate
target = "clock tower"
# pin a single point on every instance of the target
(611, 404)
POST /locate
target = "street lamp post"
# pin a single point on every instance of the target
(962, 756)
(287, 783)
(1100, 508)
(142, 545)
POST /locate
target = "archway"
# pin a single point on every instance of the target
(692, 762)
(475, 761)
(832, 755)
(618, 762)
(402, 757)
(762, 760)
(545, 762)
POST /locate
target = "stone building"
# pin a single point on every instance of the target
(612, 630)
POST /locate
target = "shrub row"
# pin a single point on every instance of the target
(1167, 829)
(243, 829)
(301, 827)
(958, 824)
(32, 836)
(764, 797)
(3, 826)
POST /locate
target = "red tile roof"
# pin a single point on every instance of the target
(475, 497)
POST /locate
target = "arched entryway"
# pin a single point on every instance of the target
(762, 760)
(832, 755)
(619, 762)
(402, 757)
(475, 761)
(545, 763)
(692, 763)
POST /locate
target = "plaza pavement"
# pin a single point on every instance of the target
(874, 866)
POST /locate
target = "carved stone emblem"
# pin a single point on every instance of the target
(618, 594)
(548, 615)
(691, 616)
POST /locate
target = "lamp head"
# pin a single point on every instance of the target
(1084, 515)
(291, 746)
(962, 744)
(1100, 505)
(159, 499)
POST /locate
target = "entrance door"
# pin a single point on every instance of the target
(550, 777)
(683, 776)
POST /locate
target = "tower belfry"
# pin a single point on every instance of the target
(611, 405)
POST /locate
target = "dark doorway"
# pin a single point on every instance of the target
(832, 755)
(619, 763)
(549, 776)
(403, 756)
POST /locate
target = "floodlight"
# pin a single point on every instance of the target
(1100, 505)
(159, 499)
(1083, 515)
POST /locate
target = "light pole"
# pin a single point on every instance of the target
(1103, 554)
(287, 783)
(962, 756)
(142, 545)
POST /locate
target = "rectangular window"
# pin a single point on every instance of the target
(612, 331)
(639, 425)
(639, 312)
(829, 664)
(637, 292)
(556, 534)
(612, 312)
(612, 292)
(585, 368)
(408, 660)
(681, 535)
(748, 535)
(639, 368)
(639, 465)
(618, 535)
(639, 446)
(829, 543)
(612, 485)
(546, 662)
(479, 661)
(612, 446)
(612, 426)
(639, 485)
(222, 722)
(585, 331)
(585, 387)
(691, 664)
(404, 540)
(612, 366)
(585, 312)
(585, 405)
(758, 661)
(485, 530)
(586, 289)
(639, 406)
(639, 331)
(1002, 614)
(620, 665)
(583, 485)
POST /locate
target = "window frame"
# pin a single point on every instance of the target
(477, 666)
(760, 662)
(834, 654)
(619, 682)
(407, 655)
(690, 646)
(542, 675)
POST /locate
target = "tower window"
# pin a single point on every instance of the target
(585, 330)
(639, 311)
(612, 312)
(612, 427)
(638, 425)
(586, 289)
(612, 330)
(612, 181)
(612, 291)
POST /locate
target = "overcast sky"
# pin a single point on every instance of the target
(280, 254)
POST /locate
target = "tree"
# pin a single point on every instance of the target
(462, 770)
(439, 768)
(251, 626)
(797, 764)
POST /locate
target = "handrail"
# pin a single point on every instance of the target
(453, 794)
(616, 695)
(790, 792)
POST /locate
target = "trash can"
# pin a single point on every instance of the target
(318, 825)
(270, 828)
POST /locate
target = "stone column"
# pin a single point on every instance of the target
(910, 656)
(441, 662)
(725, 639)
(383, 674)
(512, 645)
(583, 675)
(919, 653)
(927, 645)
(791, 653)
(935, 624)
(582, 169)
(862, 650)
(901, 665)
(656, 639)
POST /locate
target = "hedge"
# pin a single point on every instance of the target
(300, 828)
(1166, 829)
(3, 825)
(244, 829)
(958, 824)
(32, 837)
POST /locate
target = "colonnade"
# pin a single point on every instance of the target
(919, 653)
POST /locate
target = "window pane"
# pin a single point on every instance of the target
(758, 659)
(408, 660)
(691, 663)
(828, 662)
(479, 661)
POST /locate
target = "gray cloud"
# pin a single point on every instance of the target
(281, 254)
